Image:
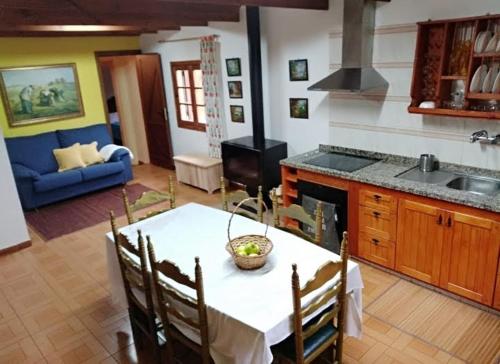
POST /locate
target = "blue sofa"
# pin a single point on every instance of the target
(35, 167)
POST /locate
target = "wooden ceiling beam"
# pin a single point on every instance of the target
(297, 4)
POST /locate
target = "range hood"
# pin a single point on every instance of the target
(356, 73)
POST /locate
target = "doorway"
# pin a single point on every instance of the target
(134, 99)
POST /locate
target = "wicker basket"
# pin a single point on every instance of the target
(265, 245)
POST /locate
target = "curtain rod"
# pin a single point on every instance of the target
(186, 39)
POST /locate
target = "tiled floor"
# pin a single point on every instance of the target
(55, 307)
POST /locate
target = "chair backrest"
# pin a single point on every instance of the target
(298, 216)
(251, 209)
(169, 299)
(146, 199)
(334, 314)
(133, 267)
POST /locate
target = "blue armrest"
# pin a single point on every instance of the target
(118, 155)
(21, 171)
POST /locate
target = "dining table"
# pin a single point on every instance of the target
(248, 311)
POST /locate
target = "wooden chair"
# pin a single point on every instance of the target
(297, 213)
(251, 209)
(169, 299)
(146, 199)
(326, 328)
(137, 284)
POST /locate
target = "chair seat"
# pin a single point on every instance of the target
(287, 346)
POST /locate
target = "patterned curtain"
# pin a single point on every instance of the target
(212, 91)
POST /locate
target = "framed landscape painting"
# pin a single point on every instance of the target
(40, 93)
(298, 70)
(237, 115)
(299, 108)
(233, 67)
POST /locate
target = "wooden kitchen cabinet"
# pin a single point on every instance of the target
(376, 249)
(470, 256)
(496, 297)
(420, 240)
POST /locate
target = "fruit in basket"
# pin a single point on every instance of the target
(252, 248)
(248, 250)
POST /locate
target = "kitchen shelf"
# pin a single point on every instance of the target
(487, 55)
(452, 77)
(292, 193)
(483, 96)
(445, 63)
(291, 178)
(452, 112)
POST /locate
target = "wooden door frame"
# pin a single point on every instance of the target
(99, 54)
(167, 121)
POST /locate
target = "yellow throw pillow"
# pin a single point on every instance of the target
(69, 158)
(90, 155)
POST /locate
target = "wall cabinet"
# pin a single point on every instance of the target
(420, 240)
(470, 256)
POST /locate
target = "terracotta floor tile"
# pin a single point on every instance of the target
(23, 351)
(12, 331)
(45, 316)
(58, 292)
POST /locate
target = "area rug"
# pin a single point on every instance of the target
(81, 212)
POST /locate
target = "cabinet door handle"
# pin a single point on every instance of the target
(440, 219)
(376, 214)
(449, 222)
(375, 241)
(377, 198)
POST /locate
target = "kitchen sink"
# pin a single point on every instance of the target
(477, 185)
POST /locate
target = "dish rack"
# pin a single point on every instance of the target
(456, 68)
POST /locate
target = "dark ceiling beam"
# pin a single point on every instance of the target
(297, 4)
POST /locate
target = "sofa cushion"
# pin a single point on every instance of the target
(85, 135)
(101, 170)
(34, 152)
(51, 181)
(90, 155)
(69, 158)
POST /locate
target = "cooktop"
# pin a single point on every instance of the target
(341, 161)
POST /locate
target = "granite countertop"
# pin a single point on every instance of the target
(384, 172)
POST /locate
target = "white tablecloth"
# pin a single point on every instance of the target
(248, 311)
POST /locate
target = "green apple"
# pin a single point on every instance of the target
(252, 248)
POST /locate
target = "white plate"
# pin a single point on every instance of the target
(498, 45)
(482, 40)
(479, 37)
(492, 44)
(478, 79)
(496, 85)
(490, 78)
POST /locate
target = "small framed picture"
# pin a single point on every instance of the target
(298, 70)
(237, 115)
(299, 108)
(233, 67)
(235, 89)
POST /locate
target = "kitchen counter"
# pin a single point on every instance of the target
(384, 172)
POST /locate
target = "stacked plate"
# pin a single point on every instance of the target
(486, 80)
(487, 42)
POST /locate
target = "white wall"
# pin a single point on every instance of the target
(371, 121)
(13, 229)
(233, 44)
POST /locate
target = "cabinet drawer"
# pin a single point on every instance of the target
(378, 221)
(375, 199)
(376, 249)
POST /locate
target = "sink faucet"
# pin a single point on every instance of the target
(483, 137)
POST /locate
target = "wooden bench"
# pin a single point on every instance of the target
(199, 170)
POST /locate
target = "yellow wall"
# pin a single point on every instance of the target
(44, 51)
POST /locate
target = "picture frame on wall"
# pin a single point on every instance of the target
(237, 113)
(37, 94)
(299, 108)
(298, 70)
(233, 67)
(235, 89)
